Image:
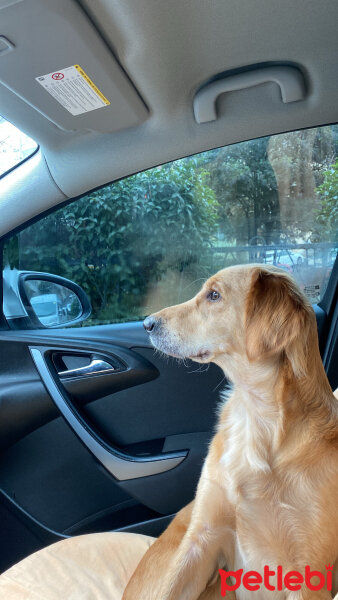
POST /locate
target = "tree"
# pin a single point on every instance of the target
(298, 159)
(327, 217)
(266, 188)
(115, 242)
(246, 190)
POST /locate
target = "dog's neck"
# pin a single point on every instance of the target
(275, 401)
(252, 420)
(274, 381)
(256, 382)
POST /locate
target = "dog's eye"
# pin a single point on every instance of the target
(213, 295)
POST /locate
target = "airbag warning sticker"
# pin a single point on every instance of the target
(72, 88)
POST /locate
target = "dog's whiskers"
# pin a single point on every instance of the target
(220, 383)
(200, 369)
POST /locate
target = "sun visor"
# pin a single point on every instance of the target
(54, 59)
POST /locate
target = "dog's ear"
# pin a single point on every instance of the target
(277, 319)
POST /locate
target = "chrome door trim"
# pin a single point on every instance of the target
(97, 366)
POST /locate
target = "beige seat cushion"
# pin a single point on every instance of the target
(88, 567)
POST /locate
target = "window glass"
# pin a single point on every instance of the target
(150, 240)
(15, 146)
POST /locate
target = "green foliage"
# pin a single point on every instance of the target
(246, 190)
(328, 215)
(117, 240)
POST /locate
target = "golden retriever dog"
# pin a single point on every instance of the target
(268, 493)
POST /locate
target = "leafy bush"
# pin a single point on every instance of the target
(118, 240)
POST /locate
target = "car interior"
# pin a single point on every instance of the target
(166, 140)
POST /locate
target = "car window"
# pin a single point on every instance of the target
(15, 146)
(150, 240)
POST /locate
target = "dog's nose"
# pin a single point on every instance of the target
(149, 324)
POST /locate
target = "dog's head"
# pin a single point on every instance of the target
(254, 312)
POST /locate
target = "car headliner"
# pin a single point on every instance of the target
(169, 48)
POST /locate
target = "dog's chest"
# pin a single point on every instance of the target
(270, 523)
(264, 536)
(246, 459)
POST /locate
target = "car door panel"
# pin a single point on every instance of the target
(41, 452)
(71, 484)
(182, 400)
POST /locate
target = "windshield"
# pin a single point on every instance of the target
(15, 146)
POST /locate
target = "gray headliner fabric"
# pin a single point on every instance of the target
(169, 48)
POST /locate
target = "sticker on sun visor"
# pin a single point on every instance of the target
(312, 292)
(72, 88)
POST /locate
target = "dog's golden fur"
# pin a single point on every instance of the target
(268, 492)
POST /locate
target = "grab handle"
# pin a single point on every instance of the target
(289, 79)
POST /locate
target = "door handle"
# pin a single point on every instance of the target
(120, 464)
(96, 366)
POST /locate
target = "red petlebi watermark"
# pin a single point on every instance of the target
(292, 580)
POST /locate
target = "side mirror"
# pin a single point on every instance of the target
(42, 300)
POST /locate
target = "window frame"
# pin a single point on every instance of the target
(327, 303)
